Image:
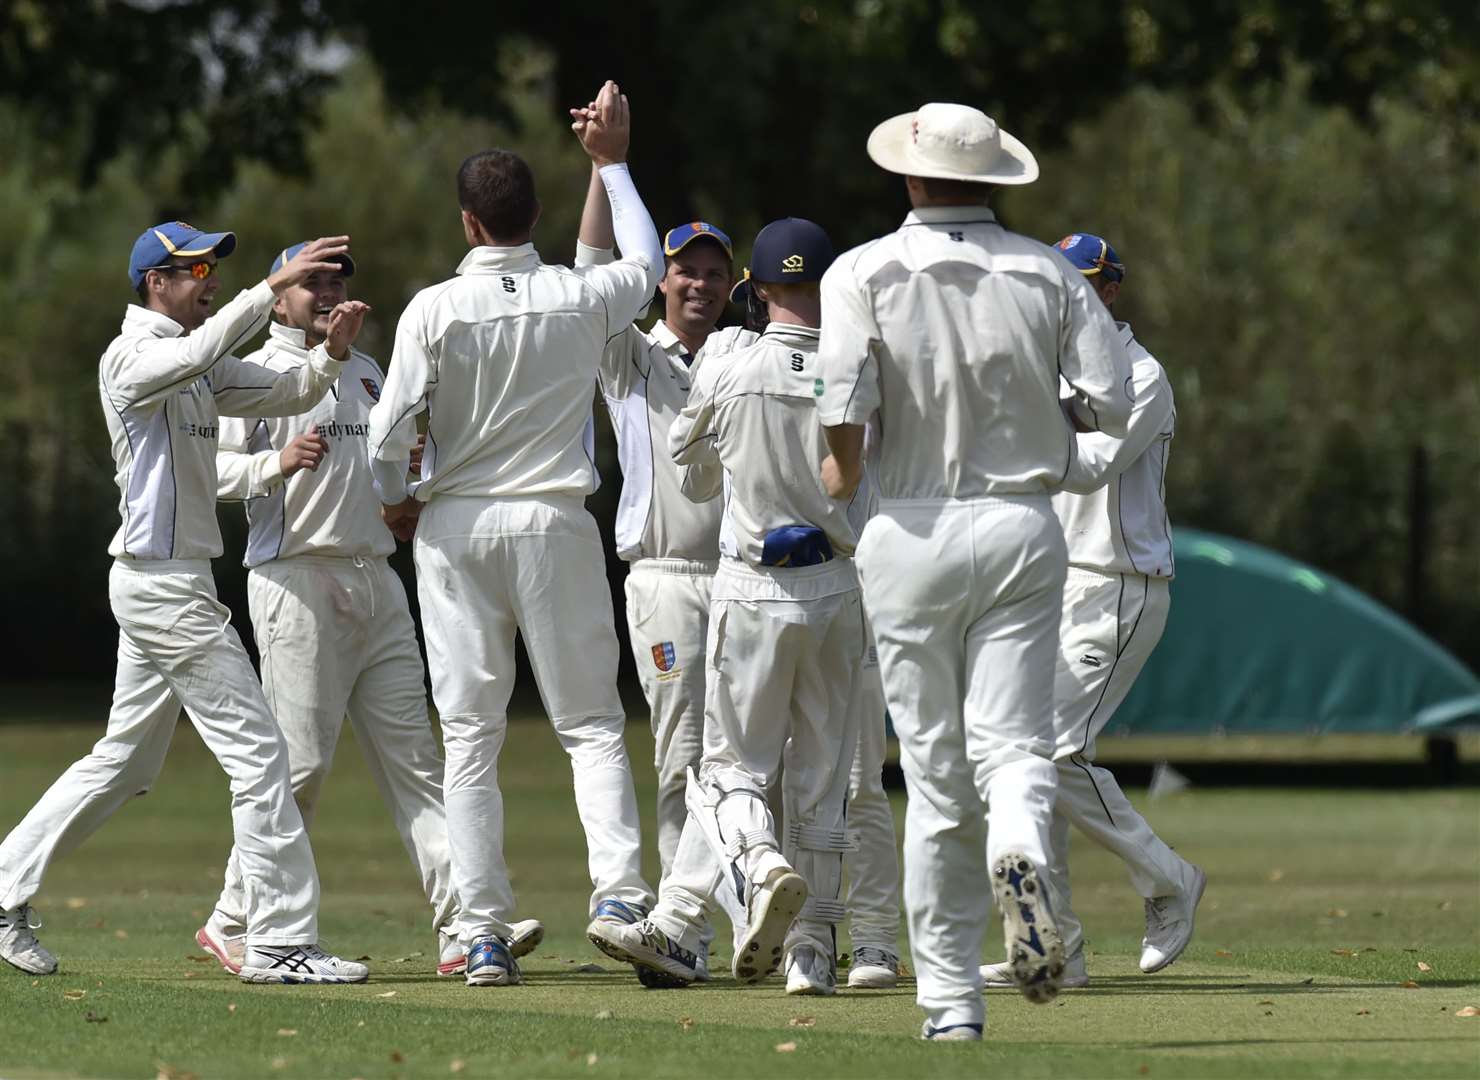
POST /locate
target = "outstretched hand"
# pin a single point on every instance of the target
(316, 256)
(604, 126)
(344, 326)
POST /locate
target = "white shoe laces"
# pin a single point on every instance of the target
(23, 921)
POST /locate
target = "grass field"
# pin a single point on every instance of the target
(1340, 936)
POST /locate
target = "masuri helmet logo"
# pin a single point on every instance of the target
(792, 264)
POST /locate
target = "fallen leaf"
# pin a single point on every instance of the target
(1268, 1012)
(904, 970)
(407, 958)
(1468, 1010)
(279, 1063)
(802, 1021)
(1266, 1003)
(1276, 874)
(1364, 1012)
(604, 1014)
(686, 1023)
(94, 1018)
(396, 1057)
(387, 994)
(591, 1059)
(169, 1072)
(1308, 982)
(786, 1047)
(360, 1024)
(592, 969)
(457, 1066)
(1337, 913)
(231, 1007)
(192, 974)
(1424, 967)
(74, 995)
(1222, 952)
(362, 959)
(1445, 905)
(1409, 984)
(201, 959)
(1342, 952)
(76, 903)
(1144, 1070)
(121, 935)
(287, 1031)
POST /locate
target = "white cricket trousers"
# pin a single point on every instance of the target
(1110, 626)
(335, 637)
(486, 569)
(785, 656)
(873, 870)
(667, 625)
(964, 597)
(176, 647)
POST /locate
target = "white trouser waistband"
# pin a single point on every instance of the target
(684, 567)
(737, 580)
(1036, 498)
(164, 566)
(333, 562)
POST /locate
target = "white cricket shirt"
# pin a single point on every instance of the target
(329, 511)
(1113, 505)
(502, 359)
(956, 331)
(750, 429)
(163, 394)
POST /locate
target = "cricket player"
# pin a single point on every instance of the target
(333, 628)
(164, 381)
(502, 359)
(786, 647)
(955, 331)
(1116, 599)
(670, 543)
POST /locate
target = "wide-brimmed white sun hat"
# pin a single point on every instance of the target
(951, 142)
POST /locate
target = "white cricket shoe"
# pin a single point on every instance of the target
(952, 1033)
(810, 973)
(873, 968)
(229, 949)
(701, 963)
(298, 964)
(525, 937)
(1169, 924)
(661, 962)
(1035, 953)
(773, 906)
(18, 945)
(452, 958)
(997, 976)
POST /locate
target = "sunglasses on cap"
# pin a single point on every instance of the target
(198, 270)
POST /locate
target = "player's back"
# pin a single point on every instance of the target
(514, 347)
(972, 326)
(772, 446)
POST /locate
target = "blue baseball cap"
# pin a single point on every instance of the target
(345, 262)
(681, 236)
(155, 246)
(1092, 255)
(792, 249)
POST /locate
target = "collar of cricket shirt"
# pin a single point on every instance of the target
(288, 337)
(498, 260)
(791, 330)
(142, 320)
(946, 215)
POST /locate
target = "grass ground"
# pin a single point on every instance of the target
(1340, 936)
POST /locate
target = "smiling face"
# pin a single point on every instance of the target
(179, 293)
(695, 284)
(307, 307)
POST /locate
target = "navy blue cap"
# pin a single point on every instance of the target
(681, 236)
(1092, 255)
(283, 256)
(155, 246)
(792, 249)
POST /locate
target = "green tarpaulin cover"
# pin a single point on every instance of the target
(1258, 643)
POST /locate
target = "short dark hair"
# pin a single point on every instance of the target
(497, 188)
(937, 188)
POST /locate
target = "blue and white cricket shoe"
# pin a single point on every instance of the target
(611, 913)
(661, 962)
(952, 1033)
(298, 964)
(490, 963)
(1035, 952)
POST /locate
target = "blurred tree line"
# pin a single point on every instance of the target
(1293, 188)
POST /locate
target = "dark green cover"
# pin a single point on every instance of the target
(1258, 643)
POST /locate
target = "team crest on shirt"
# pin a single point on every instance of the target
(663, 656)
(371, 388)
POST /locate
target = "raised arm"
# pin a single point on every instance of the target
(244, 388)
